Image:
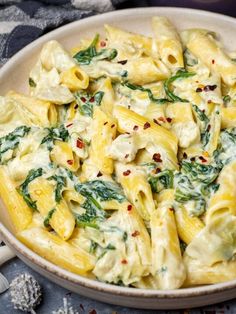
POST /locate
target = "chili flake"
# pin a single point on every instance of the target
(208, 127)
(157, 157)
(199, 90)
(135, 128)
(146, 125)
(83, 99)
(126, 173)
(129, 207)
(185, 155)
(103, 43)
(99, 174)
(192, 158)
(92, 99)
(68, 125)
(155, 121)
(112, 126)
(105, 123)
(162, 119)
(157, 170)
(171, 209)
(79, 143)
(208, 88)
(124, 261)
(122, 62)
(70, 162)
(169, 119)
(135, 233)
(127, 155)
(202, 159)
(76, 106)
(213, 61)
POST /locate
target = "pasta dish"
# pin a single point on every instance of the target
(120, 162)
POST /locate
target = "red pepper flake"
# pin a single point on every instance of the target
(203, 110)
(112, 126)
(126, 173)
(135, 233)
(209, 101)
(83, 99)
(197, 81)
(213, 61)
(155, 121)
(76, 106)
(129, 207)
(162, 119)
(129, 106)
(103, 43)
(171, 209)
(122, 62)
(168, 120)
(127, 133)
(68, 125)
(157, 157)
(70, 162)
(208, 88)
(202, 159)
(124, 261)
(93, 312)
(192, 158)
(146, 125)
(105, 123)
(127, 155)
(199, 90)
(79, 143)
(208, 127)
(157, 170)
(99, 174)
(135, 128)
(92, 99)
(185, 155)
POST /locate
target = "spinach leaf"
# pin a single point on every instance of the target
(189, 58)
(93, 247)
(12, 140)
(60, 184)
(197, 172)
(86, 102)
(163, 180)
(85, 56)
(226, 150)
(23, 188)
(200, 114)
(32, 82)
(101, 190)
(148, 91)
(46, 221)
(181, 74)
(59, 133)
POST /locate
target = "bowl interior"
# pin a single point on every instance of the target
(14, 75)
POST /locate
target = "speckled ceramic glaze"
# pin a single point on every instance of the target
(15, 75)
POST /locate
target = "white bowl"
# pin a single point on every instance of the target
(15, 75)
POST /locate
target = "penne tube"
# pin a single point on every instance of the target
(187, 226)
(168, 43)
(228, 117)
(63, 155)
(43, 113)
(20, 214)
(56, 214)
(57, 251)
(74, 78)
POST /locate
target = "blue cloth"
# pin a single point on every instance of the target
(24, 21)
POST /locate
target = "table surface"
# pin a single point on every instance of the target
(53, 298)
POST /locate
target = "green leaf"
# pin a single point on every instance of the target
(93, 247)
(148, 91)
(12, 140)
(101, 190)
(23, 188)
(181, 74)
(163, 180)
(32, 82)
(86, 102)
(46, 221)
(60, 184)
(189, 58)
(59, 133)
(226, 99)
(200, 114)
(202, 173)
(85, 56)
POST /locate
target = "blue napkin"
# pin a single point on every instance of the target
(24, 21)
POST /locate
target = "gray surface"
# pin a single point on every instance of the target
(53, 298)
